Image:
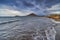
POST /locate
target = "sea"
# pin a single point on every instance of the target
(22, 28)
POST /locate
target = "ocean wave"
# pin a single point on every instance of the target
(8, 22)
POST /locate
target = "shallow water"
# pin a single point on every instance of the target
(25, 28)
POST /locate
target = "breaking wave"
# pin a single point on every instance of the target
(8, 22)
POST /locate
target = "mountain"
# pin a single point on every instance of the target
(32, 14)
(17, 16)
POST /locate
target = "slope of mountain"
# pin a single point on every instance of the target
(32, 14)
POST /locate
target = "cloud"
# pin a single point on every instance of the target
(55, 9)
(25, 7)
(10, 11)
(14, 10)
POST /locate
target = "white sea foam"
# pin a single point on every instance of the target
(55, 21)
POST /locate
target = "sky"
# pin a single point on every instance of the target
(25, 7)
